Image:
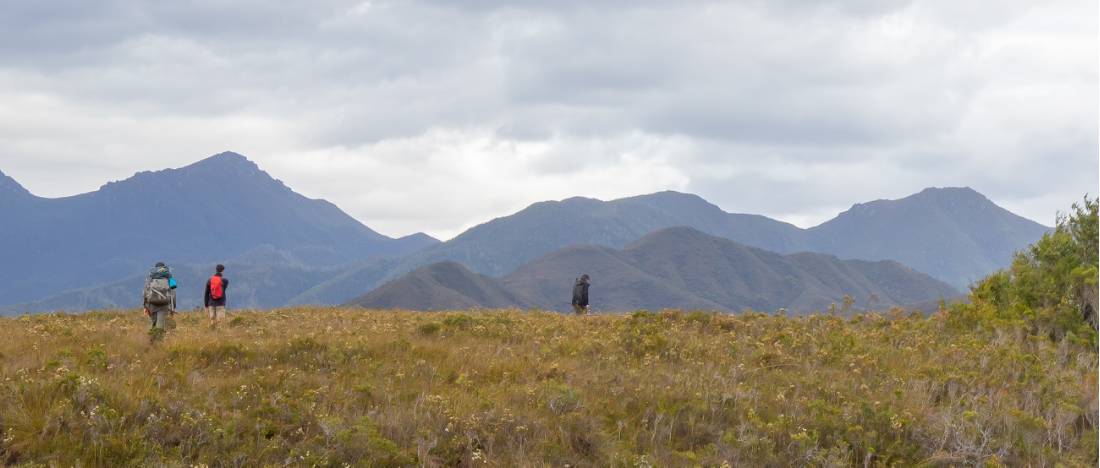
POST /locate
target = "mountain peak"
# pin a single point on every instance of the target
(226, 159)
(440, 286)
(953, 233)
(960, 200)
(228, 168)
(931, 196)
(670, 196)
(419, 238)
(571, 200)
(955, 193)
(676, 202)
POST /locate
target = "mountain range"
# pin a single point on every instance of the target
(954, 234)
(87, 251)
(215, 210)
(673, 267)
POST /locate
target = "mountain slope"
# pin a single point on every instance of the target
(671, 268)
(733, 276)
(440, 286)
(212, 210)
(955, 234)
(11, 193)
(350, 282)
(499, 246)
(619, 283)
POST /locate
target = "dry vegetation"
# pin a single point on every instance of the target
(331, 387)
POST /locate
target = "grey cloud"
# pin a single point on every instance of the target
(757, 103)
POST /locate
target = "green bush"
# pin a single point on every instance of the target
(1050, 287)
(429, 329)
(459, 321)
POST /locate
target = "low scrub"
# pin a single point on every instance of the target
(333, 387)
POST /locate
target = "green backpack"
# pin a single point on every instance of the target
(158, 292)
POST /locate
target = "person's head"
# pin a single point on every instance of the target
(584, 277)
(219, 269)
(159, 265)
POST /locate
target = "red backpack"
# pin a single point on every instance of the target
(216, 290)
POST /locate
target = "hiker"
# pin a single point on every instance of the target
(215, 295)
(580, 295)
(159, 296)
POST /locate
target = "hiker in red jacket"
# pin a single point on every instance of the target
(215, 295)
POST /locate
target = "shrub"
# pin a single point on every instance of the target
(221, 353)
(429, 329)
(612, 390)
(1051, 286)
(458, 321)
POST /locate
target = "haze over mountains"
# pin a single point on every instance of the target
(674, 267)
(92, 250)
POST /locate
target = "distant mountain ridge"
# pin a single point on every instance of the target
(953, 234)
(671, 268)
(499, 246)
(72, 252)
(216, 209)
(442, 286)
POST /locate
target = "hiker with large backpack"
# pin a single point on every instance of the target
(159, 296)
(215, 295)
(580, 295)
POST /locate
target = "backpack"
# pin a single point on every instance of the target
(160, 272)
(158, 293)
(216, 290)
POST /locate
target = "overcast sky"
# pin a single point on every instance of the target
(435, 116)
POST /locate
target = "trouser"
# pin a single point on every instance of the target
(580, 310)
(216, 312)
(159, 317)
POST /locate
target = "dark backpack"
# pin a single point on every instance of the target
(580, 293)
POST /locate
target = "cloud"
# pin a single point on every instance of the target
(446, 181)
(435, 116)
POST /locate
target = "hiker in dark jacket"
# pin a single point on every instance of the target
(214, 299)
(580, 296)
(159, 295)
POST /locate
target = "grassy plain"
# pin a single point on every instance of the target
(339, 387)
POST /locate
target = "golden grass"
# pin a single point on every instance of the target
(331, 387)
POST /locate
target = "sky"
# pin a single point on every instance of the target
(435, 116)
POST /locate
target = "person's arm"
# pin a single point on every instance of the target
(206, 295)
(584, 295)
